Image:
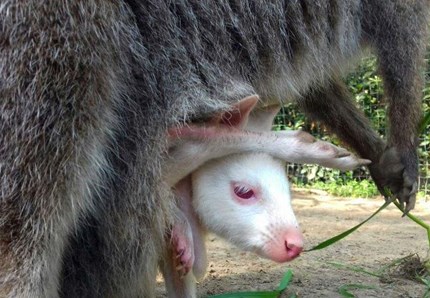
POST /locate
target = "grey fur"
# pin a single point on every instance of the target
(89, 87)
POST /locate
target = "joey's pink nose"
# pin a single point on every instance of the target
(293, 250)
(286, 247)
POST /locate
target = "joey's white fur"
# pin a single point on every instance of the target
(256, 224)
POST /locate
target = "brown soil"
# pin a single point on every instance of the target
(380, 242)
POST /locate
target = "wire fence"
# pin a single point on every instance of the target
(366, 87)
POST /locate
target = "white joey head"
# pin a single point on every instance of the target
(245, 198)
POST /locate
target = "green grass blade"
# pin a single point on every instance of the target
(263, 294)
(344, 293)
(344, 290)
(424, 281)
(285, 281)
(335, 239)
(354, 269)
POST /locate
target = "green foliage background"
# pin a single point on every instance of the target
(366, 86)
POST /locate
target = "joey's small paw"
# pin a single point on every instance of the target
(184, 260)
(183, 250)
(349, 162)
(338, 157)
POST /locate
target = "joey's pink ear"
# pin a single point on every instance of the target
(239, 114)
(261, 119)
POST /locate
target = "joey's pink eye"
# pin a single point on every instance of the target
(243, 192)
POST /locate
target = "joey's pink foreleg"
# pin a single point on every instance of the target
(304, 148)
(177, 284)
(178, 260)
(183, 192)
(186, 259)
(192, 146)
(182, 244)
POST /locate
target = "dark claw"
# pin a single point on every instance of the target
(414, 188)
(411, 198)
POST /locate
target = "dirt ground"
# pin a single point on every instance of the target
(381, 241)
